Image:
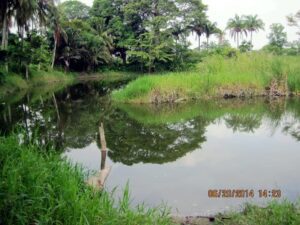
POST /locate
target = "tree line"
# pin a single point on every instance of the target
(145, 35)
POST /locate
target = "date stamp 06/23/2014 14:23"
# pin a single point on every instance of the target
(244, 193)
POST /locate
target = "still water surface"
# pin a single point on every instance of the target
(170, 154)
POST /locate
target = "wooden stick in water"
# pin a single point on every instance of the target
(102, 138)
(99, 179)
(56, 106)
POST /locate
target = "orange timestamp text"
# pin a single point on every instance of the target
(244, 193)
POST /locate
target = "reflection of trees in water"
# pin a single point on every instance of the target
(293, 129)
(81, 121)
(134, 135)
(132, 142)
(292, 126)
(243, 123)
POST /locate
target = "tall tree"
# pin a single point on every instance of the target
(294, 20)
(236, 26)
(86, 48)
(154, 44)
(151, 51)
(253, 24)
(198, 26)
(220, 34)
(114, 20)
(196, 17)
(277, 37)
(24, 13)
(73, 9)
(59, 33)
(7, 8)
(210, 29)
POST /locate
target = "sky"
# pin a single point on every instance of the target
(270, 11)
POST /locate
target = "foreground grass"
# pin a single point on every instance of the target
(284, 213)
(246, 75)
(36, 188)
(44, 189)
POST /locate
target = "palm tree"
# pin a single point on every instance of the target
(236, 26)
(177, 30)
(253, 24)
(23, 12)
(220, 34)
(210, 28)
(198, 26)
(59, 33)
(7, 8)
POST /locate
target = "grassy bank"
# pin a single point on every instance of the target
(48, 77)
(12, 82)
(43, 189)
(252, 74)
(276, 213)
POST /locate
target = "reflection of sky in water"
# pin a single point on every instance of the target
(265, 159)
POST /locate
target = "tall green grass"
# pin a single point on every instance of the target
(247, 74)
(44, 189)
(52, 76)
(11, 82)
(276, 213)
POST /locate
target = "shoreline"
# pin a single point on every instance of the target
(168, 99)
(14, 83)
(248, 75)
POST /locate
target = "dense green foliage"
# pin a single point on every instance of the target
(143, 35)
(277, 39)
(43, 189)
(151, 34)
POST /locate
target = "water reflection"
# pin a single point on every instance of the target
(141, 133)
(172, 153)
(132, 142)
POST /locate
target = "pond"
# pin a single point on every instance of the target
(173, 154)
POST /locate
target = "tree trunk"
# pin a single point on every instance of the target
(54, 52)
(27, 72)
(238, 40)
(156, 26)
(123, 56)
(199, 43)
(4, 33)
(207, 38)
(251, 36)
(42, 101)
(9, 113)
(56, 106)
(149, 68)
